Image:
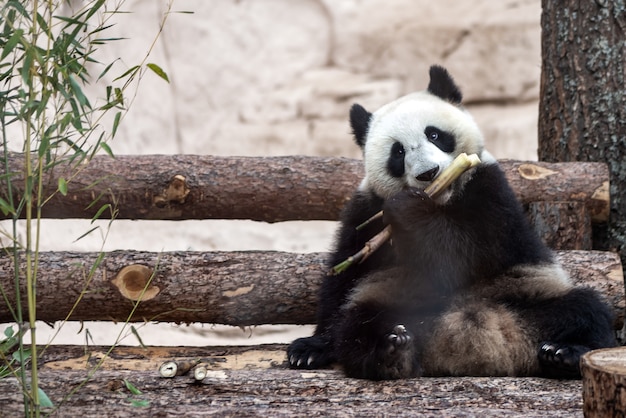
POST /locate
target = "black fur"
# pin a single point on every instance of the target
(395, 163)
(445, 141)
(472, 258)
(359, 121)
(442, 85)
(476, 238)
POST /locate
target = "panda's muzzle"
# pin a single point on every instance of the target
(428, 175)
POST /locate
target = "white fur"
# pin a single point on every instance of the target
(404, 120)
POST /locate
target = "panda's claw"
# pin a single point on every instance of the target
(398, 337)
(561, 360)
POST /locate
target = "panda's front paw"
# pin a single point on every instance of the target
(410, 204)
(561, 360)
(308, 353)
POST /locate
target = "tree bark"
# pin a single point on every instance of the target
(604, 382)
(582, 112)
(268, 189)
(263, 386)
(562, 225)
(234, 288)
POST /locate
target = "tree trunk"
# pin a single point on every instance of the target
(268, 189)
(604, 382)
(582, 112)
(234, 288)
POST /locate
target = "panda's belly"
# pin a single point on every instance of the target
(480, 339)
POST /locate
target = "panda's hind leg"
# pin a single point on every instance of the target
(576, 322)
(373, 343)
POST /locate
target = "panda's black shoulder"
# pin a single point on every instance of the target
(489, 201)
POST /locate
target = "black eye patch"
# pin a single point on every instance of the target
(395, 163)
(445, 141)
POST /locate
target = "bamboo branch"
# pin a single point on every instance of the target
(461, 163)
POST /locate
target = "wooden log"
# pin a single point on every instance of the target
(604, 382)
(537, 181)
(562, 225)
(262, 387)
(234, 288)
(269, 189)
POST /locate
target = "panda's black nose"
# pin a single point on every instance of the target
(428, 175)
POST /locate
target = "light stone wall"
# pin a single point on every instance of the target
(270, 77)
(277, 77)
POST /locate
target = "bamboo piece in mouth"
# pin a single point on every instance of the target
(459, 165)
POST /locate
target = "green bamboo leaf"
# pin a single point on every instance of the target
(5, 208)
(104, 41)
(44, 400)
(116, 123)
(100, 211)
(100, 29)
(131, 388)
(136, 334)
(11, 43)
(20, 8)
(62, 186)
(94, 9)
(78, 92)
(27, 63)
(107, 149)
(106, 70)
(21, 356)
(140, 403)
(8, 332)
(119, 95)
(158, 71)
(86, 233)
(132, 70)
(43, 24)
(44, 146)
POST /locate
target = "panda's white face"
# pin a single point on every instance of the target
(410, 141)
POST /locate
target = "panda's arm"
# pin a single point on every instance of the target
(349, 240)
(481, 232)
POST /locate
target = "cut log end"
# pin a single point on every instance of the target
(133, 283)
(200, 372)
(604, 382)
(173, 368)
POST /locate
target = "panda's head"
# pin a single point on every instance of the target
(410, 141)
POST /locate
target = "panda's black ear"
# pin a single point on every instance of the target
(442, 85)
(359, 121)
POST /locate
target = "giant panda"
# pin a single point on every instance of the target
(465, 286)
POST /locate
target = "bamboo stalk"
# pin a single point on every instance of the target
(174, 368)
(459, 165)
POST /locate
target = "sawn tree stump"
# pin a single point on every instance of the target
(604, 382)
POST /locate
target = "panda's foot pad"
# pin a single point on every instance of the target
(398, 338)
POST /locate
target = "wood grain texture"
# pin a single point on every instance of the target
(269, 189)
(268, 388)
(604, 382)
(234, 288)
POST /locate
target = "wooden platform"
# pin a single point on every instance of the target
(254, 381)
